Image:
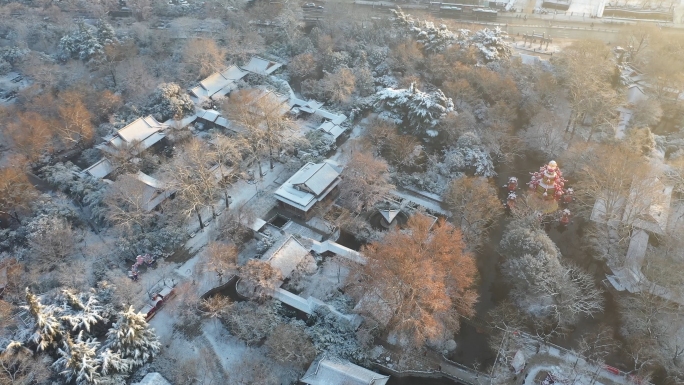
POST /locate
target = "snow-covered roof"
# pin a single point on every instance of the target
(233, 73)
(335, 371)
(149, 181)
(140, 129)
(287, 256)
(214, 82)
(146, 131)
(261, 66)
(332, 129)
(308, 106)
(153, 379)
(308, 185)
(389, 215)
(154, 191)
(335, 118)
(209, 115)
(314, 177)
(100, 169)
(219, 83)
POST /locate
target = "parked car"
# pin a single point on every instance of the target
(309, 5)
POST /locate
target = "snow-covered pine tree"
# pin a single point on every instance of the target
(105, 33)
(113, 363)
(81, 44)
(48, 329)
(79, 314)
(132, 338)
(78, 360)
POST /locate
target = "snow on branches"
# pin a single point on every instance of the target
(81, 44)
(170, 101)
(489, 42)
(78, 361)
(417, 109)
(131, 336)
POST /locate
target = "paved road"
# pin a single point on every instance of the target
(557, 26)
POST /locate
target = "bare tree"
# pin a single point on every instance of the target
(365, 181)
(475, 206)
(290, 344)
(127, 203)
(51, 240)
(76, 127)
(261, 115)
(418, 282)
(190, 174)
(544, 134)
(31, 134)
(202, 57)
(338, 86)
(222, 258)
(259, 279)
(653, 328)
(19, 366)
(16, 192)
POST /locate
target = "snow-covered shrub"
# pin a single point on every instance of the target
(490, 43)
(468, 155)
(433, 39)
(81, 44)
(376, 55)
(251, 321)
(87, 190)
(170, 101)
(332, 61)
(335, 336)
(419, 111)
(5, 67)
(14, 54)
(158, 241)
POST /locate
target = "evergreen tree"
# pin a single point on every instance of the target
(105, 33)
(81, 44)
(78, 360)
(82, 314)
(132, 338)
(113, 363)
(48, 329)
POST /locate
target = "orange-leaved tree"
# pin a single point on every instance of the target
(418, 281)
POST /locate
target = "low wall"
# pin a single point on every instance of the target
(419, 374)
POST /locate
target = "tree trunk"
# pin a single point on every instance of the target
(199, 217)
(225, 195)
(572, 116)
(261, 174)
(591, 132)
(270, 154)
(16, 217)
(213, 211)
